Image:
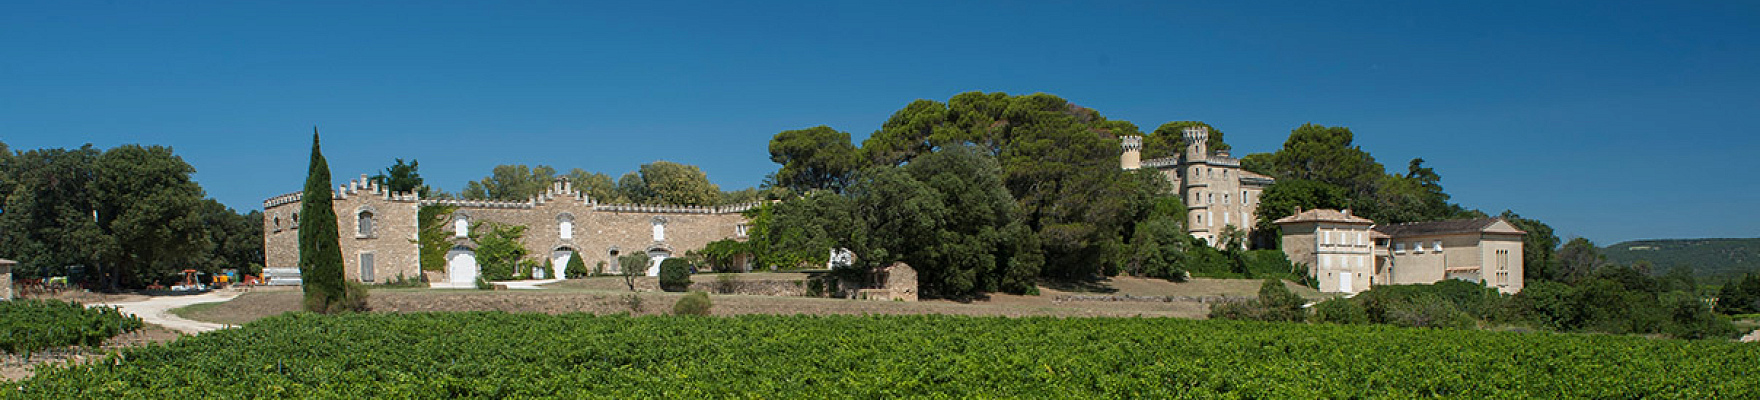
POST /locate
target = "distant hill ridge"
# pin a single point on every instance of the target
(1708, 257)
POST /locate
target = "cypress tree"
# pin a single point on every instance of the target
(320, 252)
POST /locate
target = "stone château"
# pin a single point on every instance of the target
(378, 230)
(1217, 192)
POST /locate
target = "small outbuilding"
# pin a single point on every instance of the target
(897, 281)
(6, 278)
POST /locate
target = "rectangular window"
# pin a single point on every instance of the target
(461, 227)
(1226, 217)
(1399, 248)
(366, 267)
(1439, 246)
(566, 229)
(741, 230)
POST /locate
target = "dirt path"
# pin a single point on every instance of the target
(157, 310)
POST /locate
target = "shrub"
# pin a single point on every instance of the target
(353, 299)
(576, 268)
(1427, 310)
(726, 284)
(632, 301)
(1340, 311)
(675, 275)
(1693, 319)
(695, 303)
(484, 284)
(1275, 303)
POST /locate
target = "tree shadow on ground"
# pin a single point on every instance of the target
(1100, 285)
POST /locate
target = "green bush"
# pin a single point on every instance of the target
(576, 267)
(1427, 310)
(675, 275)
(1275, 303)
(695, 303)
(354, 299)
(1340, 311)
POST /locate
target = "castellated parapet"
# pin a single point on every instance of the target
(1217, 192)
(378, 229)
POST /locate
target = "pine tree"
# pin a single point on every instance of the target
(320, 252)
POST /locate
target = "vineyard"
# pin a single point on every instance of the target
(32, 325)
(500, 355)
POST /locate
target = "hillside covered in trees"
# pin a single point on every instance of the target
(1709, 258)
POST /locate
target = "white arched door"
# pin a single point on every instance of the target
(559, 262)
(461, 266)
(656, 256)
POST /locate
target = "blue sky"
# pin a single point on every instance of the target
(1608, 120)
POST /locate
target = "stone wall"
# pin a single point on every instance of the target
(390, 243)
(596, 231)
(6, 279)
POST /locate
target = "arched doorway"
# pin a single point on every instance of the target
(559, 259)
(461, 266)
(655, 256)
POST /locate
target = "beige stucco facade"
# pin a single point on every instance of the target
(1477, 250)
(557, 222)
(1217, 192)
(1336, 246)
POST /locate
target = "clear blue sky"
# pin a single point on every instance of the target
(1608, 120)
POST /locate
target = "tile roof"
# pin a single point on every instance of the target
(1439, 227)
(1323, 215)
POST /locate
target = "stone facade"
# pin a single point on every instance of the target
(1332, 244)
(6, 278)
(557, 221)
(1217, 192)
(893, 282)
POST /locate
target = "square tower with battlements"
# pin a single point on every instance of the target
(1217, 192)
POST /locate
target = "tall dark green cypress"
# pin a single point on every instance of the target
(320, 252)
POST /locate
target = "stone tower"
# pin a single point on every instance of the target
(1197, 143)
(1133, 153)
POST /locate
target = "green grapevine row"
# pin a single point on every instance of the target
(32, 325)
(500, 355)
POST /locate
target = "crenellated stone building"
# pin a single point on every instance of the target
(378, 230)
(1217, 192)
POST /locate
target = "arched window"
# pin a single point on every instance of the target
(461, 226)
(364, 220)
(659, 229)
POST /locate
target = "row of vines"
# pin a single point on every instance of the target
(500, 355)
(33, 325)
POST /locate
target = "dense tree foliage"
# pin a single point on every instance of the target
(1740, 296)
(402, 178)
(130, 215)
(1169, 140)
(666, 182)
(500, 255)
(511, 183)
(817, 158)
(659, 182)
(1328, 155)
